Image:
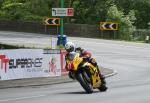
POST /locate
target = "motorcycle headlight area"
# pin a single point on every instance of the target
(71, 56)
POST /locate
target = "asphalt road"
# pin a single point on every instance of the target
(130, 85)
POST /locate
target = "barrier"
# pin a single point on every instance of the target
(29, 63)
(63, 63)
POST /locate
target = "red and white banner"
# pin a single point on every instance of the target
(21, 63)
(29, 63)
(63, 62)
(52, 62)
(62, 11)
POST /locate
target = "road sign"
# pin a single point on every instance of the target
(52, 21)
(108, 26)
(62, 11)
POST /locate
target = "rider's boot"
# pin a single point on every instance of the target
(102, 78)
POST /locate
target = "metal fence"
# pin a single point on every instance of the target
(141, 34)
(77, 30)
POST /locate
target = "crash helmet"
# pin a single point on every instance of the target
(70, 47)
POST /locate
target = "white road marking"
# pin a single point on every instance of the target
(112, 74)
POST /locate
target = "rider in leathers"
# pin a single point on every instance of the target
(70, 47)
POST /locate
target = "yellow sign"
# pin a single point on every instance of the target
(108, 26)
(52, 21)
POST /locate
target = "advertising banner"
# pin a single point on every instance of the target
(21, 63)
(29, 63)
(52, 63)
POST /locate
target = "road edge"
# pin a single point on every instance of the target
(45, 80)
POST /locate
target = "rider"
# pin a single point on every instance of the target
(70, 47)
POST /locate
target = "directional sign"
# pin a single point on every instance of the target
(108, 26)
(52, 21)
(62, 11)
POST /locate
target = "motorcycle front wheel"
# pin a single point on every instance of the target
(85, 82)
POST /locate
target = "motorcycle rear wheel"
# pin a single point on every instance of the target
(103, 88)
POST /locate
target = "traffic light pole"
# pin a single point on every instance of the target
(61, 23)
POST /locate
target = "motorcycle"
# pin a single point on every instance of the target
(85, 73)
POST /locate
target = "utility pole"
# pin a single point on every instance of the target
(61, 22)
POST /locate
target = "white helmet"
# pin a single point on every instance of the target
(70, 47)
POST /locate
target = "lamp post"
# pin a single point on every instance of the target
(61, 22)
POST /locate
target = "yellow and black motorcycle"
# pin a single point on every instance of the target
(84, 72)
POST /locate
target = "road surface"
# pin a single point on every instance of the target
(130, 85)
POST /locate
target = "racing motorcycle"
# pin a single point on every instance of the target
(85, 73)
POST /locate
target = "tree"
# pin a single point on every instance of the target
(141, 8)
(37, 7)
(142, 13)
(89, 11)
(86, 11)
(125, 21)
(24, 10)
